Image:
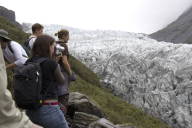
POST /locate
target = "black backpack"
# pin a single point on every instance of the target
(27, 85)
(26, 46)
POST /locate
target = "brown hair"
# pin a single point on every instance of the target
(61, 33)
(41, 46)
(36, 27)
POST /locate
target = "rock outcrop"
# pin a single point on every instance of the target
(88, 114)
(84, 104)
(9, 15)
(179, 31)
(103, 123)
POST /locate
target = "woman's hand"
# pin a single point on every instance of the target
(57, 58)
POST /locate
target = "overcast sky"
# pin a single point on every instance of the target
(141, 16)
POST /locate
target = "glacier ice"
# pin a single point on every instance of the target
(155, 76)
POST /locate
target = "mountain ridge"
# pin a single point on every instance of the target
(9, 15)
(179, 31)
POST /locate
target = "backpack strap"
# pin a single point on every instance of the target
(10, 48)
(27, 42)
(39, 61)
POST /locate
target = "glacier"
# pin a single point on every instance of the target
(154, 76)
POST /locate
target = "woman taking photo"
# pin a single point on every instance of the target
(49, 114)
(63, 93)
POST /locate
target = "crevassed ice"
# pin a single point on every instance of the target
(156, 76)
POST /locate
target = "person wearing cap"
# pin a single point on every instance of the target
(37, 30)
(10, 116)
(13, 52)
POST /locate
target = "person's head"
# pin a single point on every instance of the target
(44, 46)
(63, 34)
(4, 39)
(37, 29)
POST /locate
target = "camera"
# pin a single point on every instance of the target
(59, 49)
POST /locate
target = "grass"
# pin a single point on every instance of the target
(84, 72)
(14, 32)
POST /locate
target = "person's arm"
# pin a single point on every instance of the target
(59, 76)
(10, 116)
(66, 64)
(10, 66)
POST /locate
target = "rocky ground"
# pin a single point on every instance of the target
(88, 114)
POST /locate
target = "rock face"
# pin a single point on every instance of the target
(103, 123)
(88, 114)
(9, 15)
(180, 31)
(84, 104)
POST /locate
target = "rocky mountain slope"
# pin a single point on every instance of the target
(180, 31)
(9, 15)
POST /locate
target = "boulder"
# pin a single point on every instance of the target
(83, 104)
(104, 123)
(83, 120)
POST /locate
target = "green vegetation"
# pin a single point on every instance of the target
(84, 72)
(115, 109)
(14, 32)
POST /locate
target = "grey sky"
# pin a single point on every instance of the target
(141, 16)
(157, 14)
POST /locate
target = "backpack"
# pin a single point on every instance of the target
(26, 46)
(27, 83)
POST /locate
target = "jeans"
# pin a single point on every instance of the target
(48, 116)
